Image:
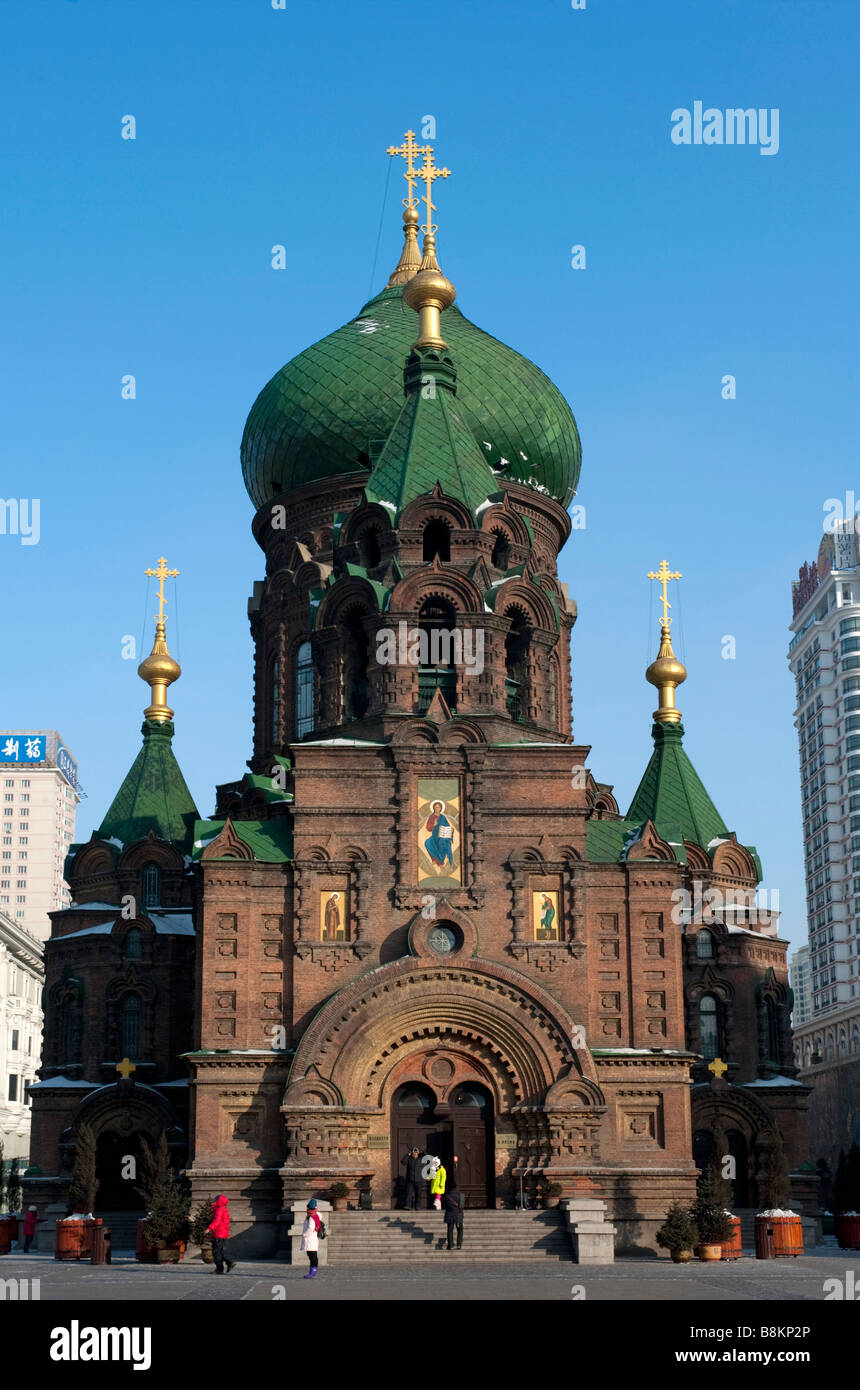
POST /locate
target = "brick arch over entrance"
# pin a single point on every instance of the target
(521, 1035)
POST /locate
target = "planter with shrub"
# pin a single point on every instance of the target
(678, 1234)
(778, 1230)
(338, 1193)
(165, 1229)
(73, 1238)
(709, 1210)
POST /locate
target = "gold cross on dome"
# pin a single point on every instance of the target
(408, 150)
(161, 574)
(664, 574)
(125, 1068)
(718, 1067)
(429, 173)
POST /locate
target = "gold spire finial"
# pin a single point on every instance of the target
(410, 257)
(667, 672)
(429, 291)
(159, 670)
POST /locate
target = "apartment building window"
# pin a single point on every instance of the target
(25, 796)
(13, 1088)
(10, 781)
(14, 1043)
(25, 782)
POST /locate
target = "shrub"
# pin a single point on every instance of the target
(168, 1205)
(679, 1230)
(199, 1231)
(84, 1184)
(339, 1189)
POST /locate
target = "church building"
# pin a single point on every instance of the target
(419, 917)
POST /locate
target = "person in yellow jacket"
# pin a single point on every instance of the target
(437, 1185)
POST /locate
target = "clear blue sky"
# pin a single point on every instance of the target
(257, 126)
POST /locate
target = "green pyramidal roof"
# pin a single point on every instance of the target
(154, 795)
(671, 790)
(431, 442)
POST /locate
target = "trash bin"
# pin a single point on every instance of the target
(101, 1246)
(764, 1242)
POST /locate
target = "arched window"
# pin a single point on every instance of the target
(773, 1031)
(517, 665)
(133, 943)
(151, 885)
(704, 945)
(437, 622)
(368, 548)
(356, 694)
(709, 1027)
(501, 551)
(130, 1026)
(437, 540)
(70, 1031)
(275, 703)
(304, 690)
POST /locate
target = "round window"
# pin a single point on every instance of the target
(443, 940)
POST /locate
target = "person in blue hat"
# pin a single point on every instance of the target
(311, 1238)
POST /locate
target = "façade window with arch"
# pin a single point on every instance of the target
(304, 690)
(133, 944)
(704, 945)
(436, 541)
(369, 552)
(437, 623)
(129, 1026)
(356, 687)
(517, 665)
(151, 885)
(709, 1027)
(501, 557)
(275, 701)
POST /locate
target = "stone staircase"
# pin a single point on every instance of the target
(123, 1228)
(401, 1237)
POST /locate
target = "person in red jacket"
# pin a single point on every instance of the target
(31, 1218)
(220, 1228)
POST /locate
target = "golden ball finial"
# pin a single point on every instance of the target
(428, 293)
(159, 670)
(666, 672)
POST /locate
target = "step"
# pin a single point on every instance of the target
(385, 1237)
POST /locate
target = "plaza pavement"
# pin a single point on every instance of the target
(441, 1276)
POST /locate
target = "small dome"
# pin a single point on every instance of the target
(329, 410)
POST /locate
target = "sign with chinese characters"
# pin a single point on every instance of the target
(67, 765)
(23, 748)
(377, 1141)
(505, 1141)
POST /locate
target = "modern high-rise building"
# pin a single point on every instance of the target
(39, 785)
(801, 986)
(22, 978)
(824, 656)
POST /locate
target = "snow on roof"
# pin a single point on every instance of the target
(172, 923)
(90, 907)
(65, 1082)
(774, 1081)
(165, 923)
(97, 929)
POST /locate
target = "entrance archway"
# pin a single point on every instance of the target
(115, 1192)
(460, 1127)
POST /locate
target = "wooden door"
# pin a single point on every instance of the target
(472, 1111)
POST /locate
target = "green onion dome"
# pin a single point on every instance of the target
(329, 410)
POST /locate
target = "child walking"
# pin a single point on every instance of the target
(311, 1239)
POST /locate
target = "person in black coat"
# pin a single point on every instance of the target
(452, 1207)
(413, 1178)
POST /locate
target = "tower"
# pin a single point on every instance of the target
(119, 971)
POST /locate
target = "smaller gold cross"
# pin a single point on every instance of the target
(664, 574)
(408, 150)
(161, 574)
(718, 1067)
(125, 1068)
(429, 173)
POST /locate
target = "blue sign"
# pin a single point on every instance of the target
(23, 748)
(67, 765)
